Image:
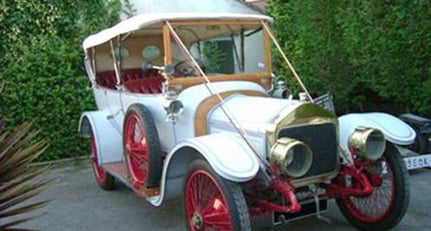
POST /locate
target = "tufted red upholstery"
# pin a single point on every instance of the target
(106, 79)
(132, 74)
(149, 85)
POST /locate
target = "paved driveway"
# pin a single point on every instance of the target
(80, 205)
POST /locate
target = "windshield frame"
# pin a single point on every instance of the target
(262, 78)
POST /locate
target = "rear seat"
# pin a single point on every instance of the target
(106, 79)
(149, 85)
(134, 80)
(132, 74)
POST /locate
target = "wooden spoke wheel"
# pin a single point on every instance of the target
(212, 203)
(386, 206)
(105, 180)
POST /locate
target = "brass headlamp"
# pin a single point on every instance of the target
(293, 157)
(367, 142)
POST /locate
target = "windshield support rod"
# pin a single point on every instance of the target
(225, 110)
(292, 69)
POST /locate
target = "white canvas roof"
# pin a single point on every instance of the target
(194, 6)
(154, 19)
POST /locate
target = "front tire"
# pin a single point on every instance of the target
(386, 206)
(212, 203)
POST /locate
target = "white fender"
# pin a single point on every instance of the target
(230, 158)
(394, 129)
(108, 139)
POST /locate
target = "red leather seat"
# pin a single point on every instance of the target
(132, 74)
(106, 79)
(134, 80)
(149, 85)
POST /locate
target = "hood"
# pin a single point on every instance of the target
(255, 114)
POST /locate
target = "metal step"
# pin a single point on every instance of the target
(120, 172)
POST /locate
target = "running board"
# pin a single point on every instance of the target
(119, 171)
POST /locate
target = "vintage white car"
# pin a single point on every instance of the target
(224, 135)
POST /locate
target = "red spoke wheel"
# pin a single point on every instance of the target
(142, 146)
(104, 179)
(386, 206)
(212, 203)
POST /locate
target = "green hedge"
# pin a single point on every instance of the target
(42, 72)
(372, 55)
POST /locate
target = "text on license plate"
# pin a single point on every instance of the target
(418, 161)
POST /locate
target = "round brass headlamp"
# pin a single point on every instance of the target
(293, 157)
(367, 142)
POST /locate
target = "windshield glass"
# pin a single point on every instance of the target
(221, 49)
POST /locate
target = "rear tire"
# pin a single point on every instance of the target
(212, 203)
(105, 180)
(386, 206)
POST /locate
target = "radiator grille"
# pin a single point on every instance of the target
(322, 140)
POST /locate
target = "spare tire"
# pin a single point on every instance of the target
(142, 147)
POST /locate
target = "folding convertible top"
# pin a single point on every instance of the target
(155, 20)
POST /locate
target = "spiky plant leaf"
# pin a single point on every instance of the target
(18, 181)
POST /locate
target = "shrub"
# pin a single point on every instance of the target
(372, 55)
(43, 75)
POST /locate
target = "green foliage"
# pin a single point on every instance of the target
(43, 75)
(372, 55)
(19, 182)
(129, 9)
(214, 56)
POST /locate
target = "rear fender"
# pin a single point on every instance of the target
(230, 158)
(395, 130)
(108, 139)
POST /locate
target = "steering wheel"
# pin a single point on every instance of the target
(186, 68)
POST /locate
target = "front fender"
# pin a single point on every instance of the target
(229, 156)
(394, 129)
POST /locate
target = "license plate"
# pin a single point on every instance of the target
(416, 162)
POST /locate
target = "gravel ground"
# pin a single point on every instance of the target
(79, 204)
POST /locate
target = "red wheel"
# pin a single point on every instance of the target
(104, 179)
(142, 147)
(386, 206)
(212, 203)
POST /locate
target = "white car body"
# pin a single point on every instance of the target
(268, 147)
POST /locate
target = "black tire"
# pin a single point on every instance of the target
(203, 187)
(394, 206)
(142, 152)
(105, 180)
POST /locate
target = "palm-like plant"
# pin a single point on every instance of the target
(19, 181)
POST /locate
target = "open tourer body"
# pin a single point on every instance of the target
(186, 109)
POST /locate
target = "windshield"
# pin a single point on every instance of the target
(221, 49)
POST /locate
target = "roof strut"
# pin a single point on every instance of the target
(292, 69)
